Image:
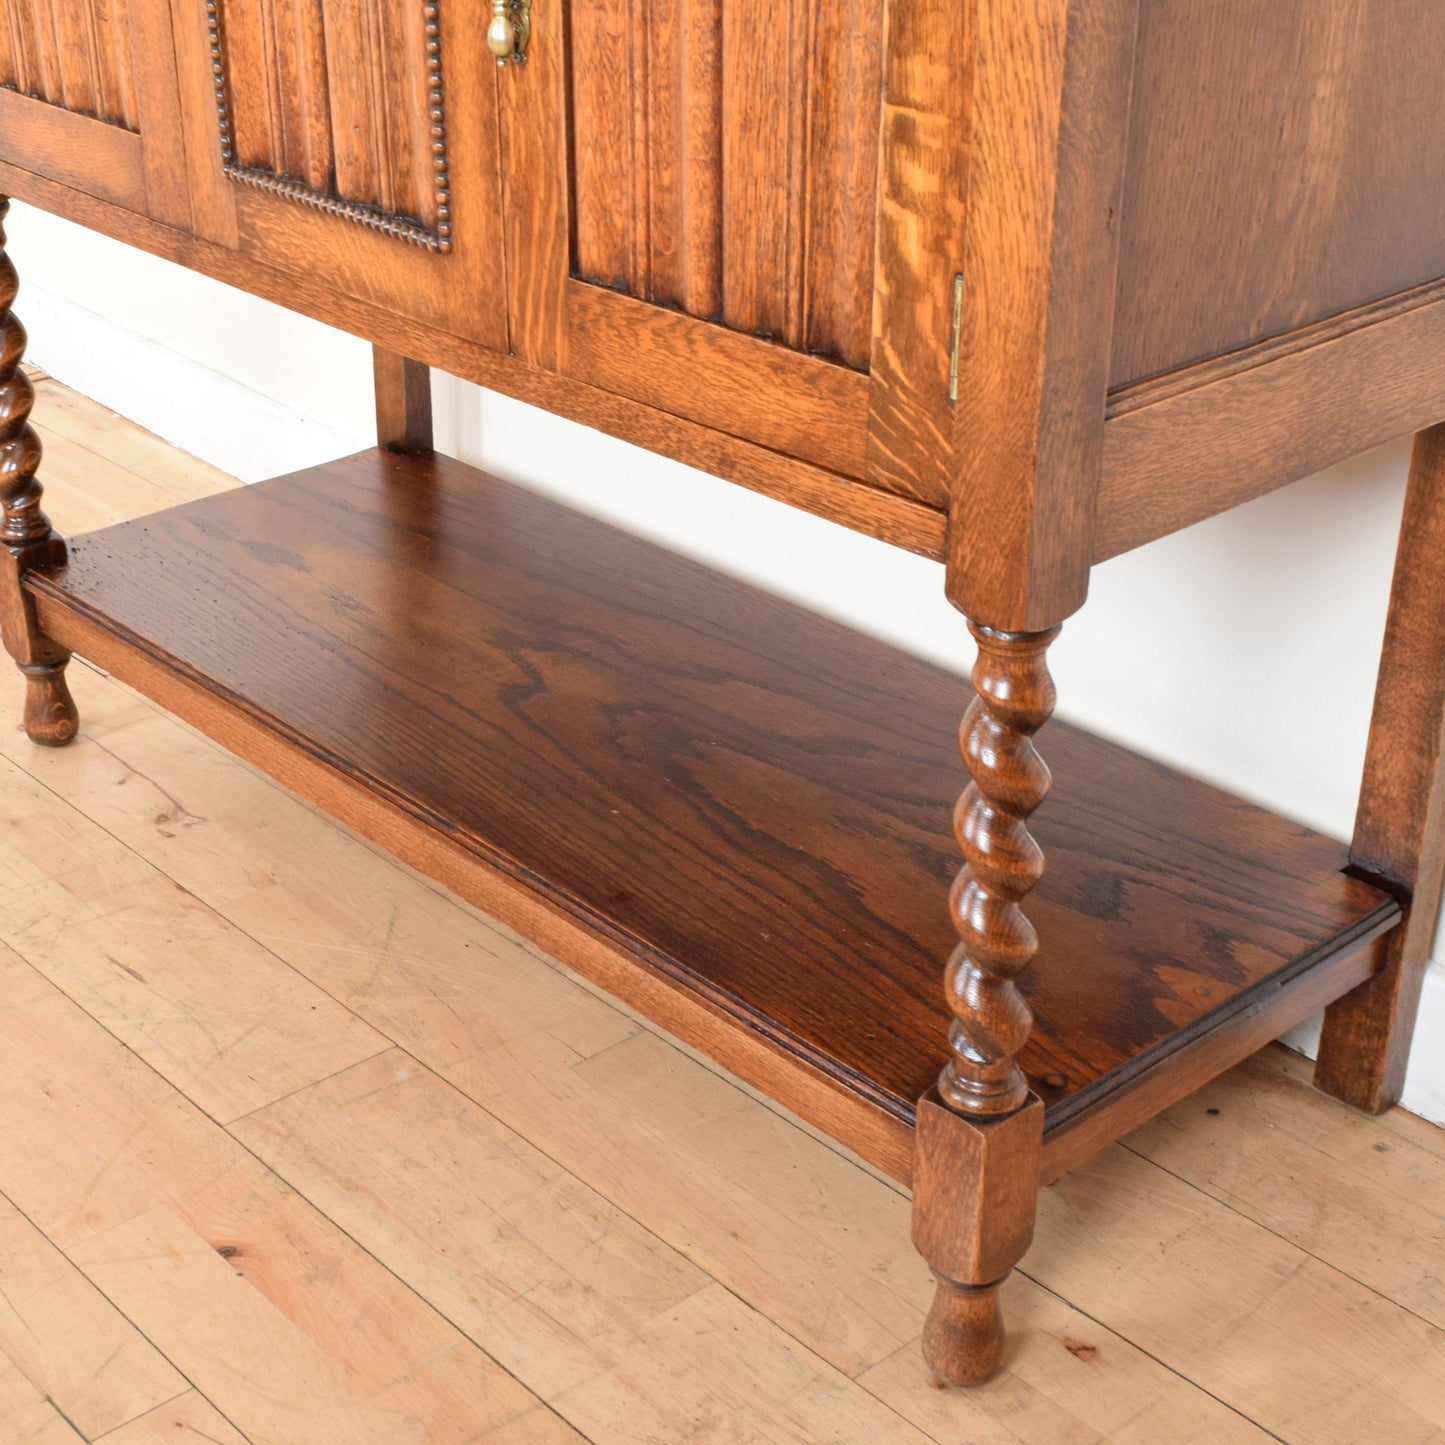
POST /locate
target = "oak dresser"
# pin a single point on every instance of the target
(1016, 284)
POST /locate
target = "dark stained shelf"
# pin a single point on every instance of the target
(736, 796)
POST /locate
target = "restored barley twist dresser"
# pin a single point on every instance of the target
(1016, 284)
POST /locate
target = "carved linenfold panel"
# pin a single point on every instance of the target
(725, 162)
(72, 53)
(338, 105)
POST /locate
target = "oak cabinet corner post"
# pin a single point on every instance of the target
(980, 1132)
(25, 532)
(1047, 130)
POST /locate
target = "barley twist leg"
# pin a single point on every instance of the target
(26, 537)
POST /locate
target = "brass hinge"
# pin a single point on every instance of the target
(957, 337)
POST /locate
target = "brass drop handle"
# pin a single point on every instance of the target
(508, 32)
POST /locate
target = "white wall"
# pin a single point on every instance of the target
(1243, 649)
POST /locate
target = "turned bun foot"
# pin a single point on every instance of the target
(50, 716)
(963, 1336)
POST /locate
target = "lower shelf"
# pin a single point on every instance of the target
(730, 812)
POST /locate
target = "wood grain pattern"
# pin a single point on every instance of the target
(871, 510)
(119, 939)
(1285, 164)
(1245, 1283)
(537, 215)
(169, 177)
(275, 65)
(340, 105)
(974, 1192)
(676, 1146)
(1399, 839)
(26, 536)
(731, 179)
(715, 746)
(1188, 453)
(75, 54)
(800, 406)
(1356, 1191)
(214, 1259)
(1203, 1257)
(104, 160)
(1052, 87)
(710, 764)
(29, 1414)
(403, 402)
(1272, 1014)
(645, 219)
(1209, 437)
(200, 91)
(518, 1263)
(189, 1419)
(1174, 452)
(182, 1288)
(882, 1137)
(69, 1339)
(446, 271)
(928, 61)
(74, 108)
(1013, 698)
(699, 1163)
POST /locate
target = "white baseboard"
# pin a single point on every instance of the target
(209, 415)
(253, 436)
(1425, 1082)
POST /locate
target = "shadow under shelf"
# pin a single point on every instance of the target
(727, 811)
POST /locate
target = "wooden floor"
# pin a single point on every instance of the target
(273, 1167)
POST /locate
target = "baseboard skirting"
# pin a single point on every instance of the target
(1425, 1082)
(223, 421)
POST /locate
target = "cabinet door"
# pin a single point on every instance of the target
(353, 142)
(692, 207)
(88, 98)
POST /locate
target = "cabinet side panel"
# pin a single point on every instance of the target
(725, 163)
(75, 54)
(1286, 162)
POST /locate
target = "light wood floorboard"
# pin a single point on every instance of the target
(296, 1148)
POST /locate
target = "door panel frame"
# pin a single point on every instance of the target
(461, 289)
(158, 103)
(94, 156)
(801, 405)
(782, 399)
(141, 170)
